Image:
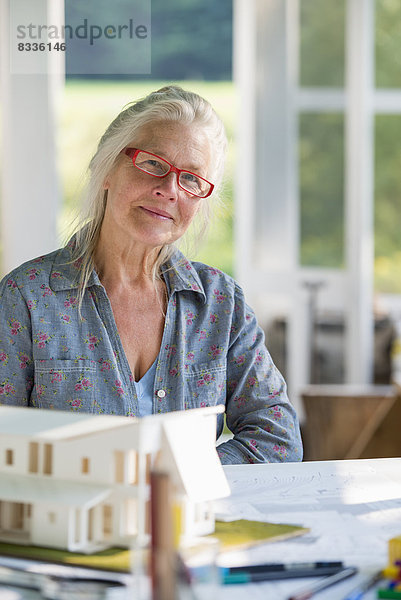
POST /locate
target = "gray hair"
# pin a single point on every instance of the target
(170, 103)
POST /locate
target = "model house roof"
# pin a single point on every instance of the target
(188, 452)
(53, 424)
(63, 425)
(186, 444)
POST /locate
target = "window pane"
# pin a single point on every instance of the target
(388, 43)
(321, 189)
(322, 43)
(387, 203)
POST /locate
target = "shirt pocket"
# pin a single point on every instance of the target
(65, 385)
(205, 384)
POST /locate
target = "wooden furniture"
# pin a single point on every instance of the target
(349, 421)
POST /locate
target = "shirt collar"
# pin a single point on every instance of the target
(178, 271)
(64, 274)
(180, 274)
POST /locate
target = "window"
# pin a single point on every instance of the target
(132, 467)
(387, 43)
(148, 462)
(17, 515)
(48, 459)
(91, 524)
(387, 203)
(147, 517)
(85, 465)
(321, 133)
(321, 175)
(9, 456)
(322, 81)
(33, 457)
(322, 43)
(77, 531)
(107, 520)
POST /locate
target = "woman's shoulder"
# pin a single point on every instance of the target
(213, 283)
(205, 275)
(216, 282)
(211, 273)
(31, 270)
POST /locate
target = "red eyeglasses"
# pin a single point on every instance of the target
(159, 167)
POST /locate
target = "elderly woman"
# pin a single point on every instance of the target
(119, 321)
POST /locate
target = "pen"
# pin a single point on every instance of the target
(266, 572)
(325, 583)
(360, 590)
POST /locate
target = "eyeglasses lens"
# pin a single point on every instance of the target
(159, 168)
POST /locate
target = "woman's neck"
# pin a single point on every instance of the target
(128, 264)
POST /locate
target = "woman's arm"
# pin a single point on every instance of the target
(16, 364)
(258, 411)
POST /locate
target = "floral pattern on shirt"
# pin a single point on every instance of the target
(212, 352)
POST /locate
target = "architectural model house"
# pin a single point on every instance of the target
(81, 482)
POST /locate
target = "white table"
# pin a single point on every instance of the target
(351, 507)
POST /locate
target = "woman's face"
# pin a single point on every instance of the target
(152, 211)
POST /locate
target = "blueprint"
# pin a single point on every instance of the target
(351, 507)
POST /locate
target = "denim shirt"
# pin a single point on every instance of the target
(212, 352)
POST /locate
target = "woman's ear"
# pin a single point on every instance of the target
(106, 184)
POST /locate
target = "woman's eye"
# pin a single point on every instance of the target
(190, 178)
(153, 165)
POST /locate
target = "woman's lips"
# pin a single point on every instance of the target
(157, 212)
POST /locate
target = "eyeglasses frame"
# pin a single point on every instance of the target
(133, 153)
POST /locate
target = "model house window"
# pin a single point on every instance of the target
(9, 456)
(132, 458)
(148, 467)
(17, 515)
(147, 516)
(126, 467)
(107, 521)
(85, 465)
(48, 459)
(77, 532)
(33, 457)
(91, 523)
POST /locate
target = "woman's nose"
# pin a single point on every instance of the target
(168, 186)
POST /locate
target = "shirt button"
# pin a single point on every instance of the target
(161, 393)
